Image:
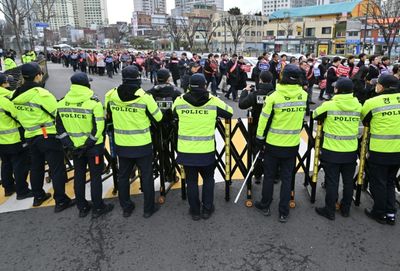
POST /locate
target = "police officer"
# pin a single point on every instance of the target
(9, 63)
(80, 127)
(13, 152)
(341, 117)
(254, 99)
(197, 111)
(36, 111)
(131, 110)
(280, 124)
(165, 94)
(382, 114)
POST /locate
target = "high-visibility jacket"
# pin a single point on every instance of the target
(196, 133)
(82, 116)
(31, 56)
(36, 111)
(9, 64)
(341, 124)
(286, 106)
(130, 120)
(384, 111)
(9, 127)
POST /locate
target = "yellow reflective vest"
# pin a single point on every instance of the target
(36, 111)
(9, 127)
(130, 120)
(287, 107)
(82, 116)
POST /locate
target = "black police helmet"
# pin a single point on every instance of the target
(130, 73)
(266, 77)
(291, 74)
(344, 85)
(80, 78)
(30, 70)
(197, 81)
(163, 75)
(389, 81)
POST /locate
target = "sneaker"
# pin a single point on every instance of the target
(29, 194)
(262, 208)
(155, 209)
(84, 211)
(96, 213)
(64, 205)
(127, 212)
(377, 218)
(322, 211)
(391, 219)
(206, 213)
(283, 218)
(39, 201)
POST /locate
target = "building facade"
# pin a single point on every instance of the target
(63, 14)
(150, 6)
(186, 6)
(90, 13)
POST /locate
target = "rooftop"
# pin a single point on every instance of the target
(337, 8)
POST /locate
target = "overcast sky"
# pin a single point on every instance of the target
(121, 10)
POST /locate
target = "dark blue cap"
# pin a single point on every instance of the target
(80, 78)
(5, 78)
(291, 71)
(389, 81)
(197, 80)
(30, 70)
(130, 73)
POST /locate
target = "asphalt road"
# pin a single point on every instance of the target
(235, 238)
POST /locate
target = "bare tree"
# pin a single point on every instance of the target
(385, 16)
(123, 32)
(174, 31)
(2, 32)
(44, 12)
(15, 13)
(237, 24)
(207, 29)
(190, 26)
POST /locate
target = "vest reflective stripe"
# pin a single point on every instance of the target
(207, 107)
(265, 115)
(75, 110)
(196, 138)
(131, 132)
(385, 136)
(284, 132)
(37, 127)
(99, 119)
(32, 105)
(384, 108)
(336, 137)
(155, 112)
(280, 105)
(344, 113)
(10, 131)
(63, 135)
(136, 105)
(79, 134)
(261, 137)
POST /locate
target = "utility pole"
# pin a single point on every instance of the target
(224, 34)
(365, 27)
(31, 43)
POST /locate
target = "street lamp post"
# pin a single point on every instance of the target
(365, 27)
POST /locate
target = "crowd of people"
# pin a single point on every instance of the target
(31, 117)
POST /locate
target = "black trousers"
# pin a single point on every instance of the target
(192, 178)
(258, 167)
(49, 150)
(15, 165)
(272, 165)
(126, 166)
(382, 185)
(96, 183)
(332, 178)
(234, 92)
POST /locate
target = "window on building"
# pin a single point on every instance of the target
(253, 33)
(310, 32)
(247, 33)
(281, 32)
(340, 34)
(353, 33)
(290, 32)
(215, 34)
(326, 30)
(270, 33)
